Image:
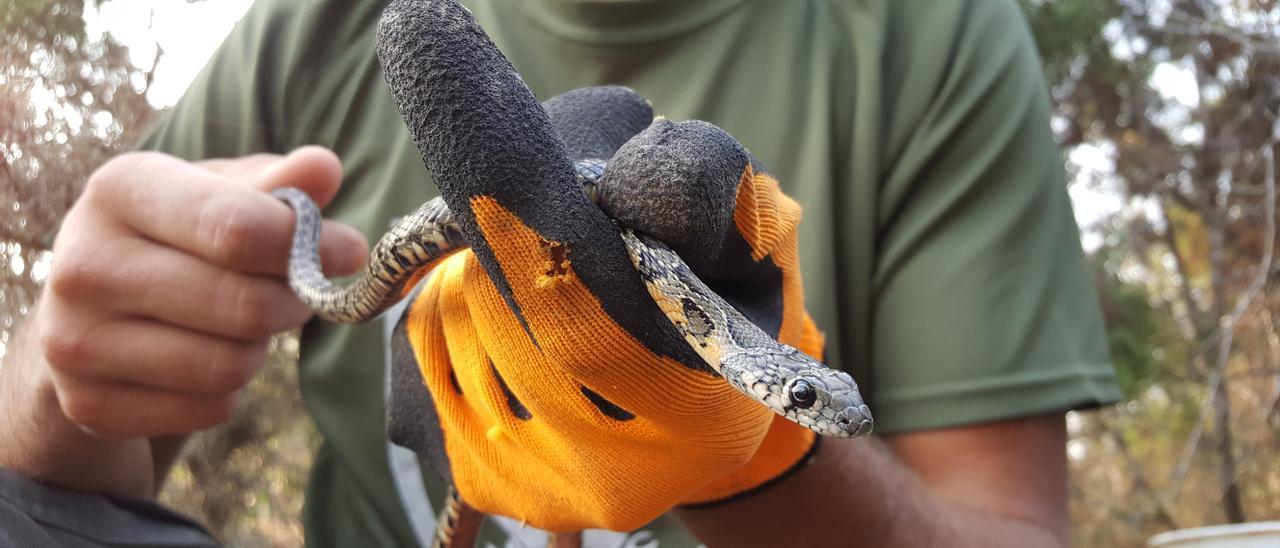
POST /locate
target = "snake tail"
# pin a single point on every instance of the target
(412, 246)
(565, 540)
(458, 525)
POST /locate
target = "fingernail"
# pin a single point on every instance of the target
(87, 430)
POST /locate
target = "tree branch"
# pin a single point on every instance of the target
(1193, 307)
(1140, 483)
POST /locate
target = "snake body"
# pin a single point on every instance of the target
(776, 375)
(413, 244)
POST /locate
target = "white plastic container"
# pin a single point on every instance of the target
(1261, 534)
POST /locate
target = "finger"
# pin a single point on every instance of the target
(170, 286)
(485, 139)
(343, 249)
(172, 358)
(593, 122)
(316, 170)
(480, 130)
(125, 411)
(241, 167)
(735, 229)
(196, 210)
(677, 182)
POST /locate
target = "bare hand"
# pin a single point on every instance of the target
(166, 285)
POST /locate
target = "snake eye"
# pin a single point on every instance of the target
(802, 394)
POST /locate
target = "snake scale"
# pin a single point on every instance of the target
(776, 375)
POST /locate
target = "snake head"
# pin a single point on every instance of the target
(801, 389)
(827, 401)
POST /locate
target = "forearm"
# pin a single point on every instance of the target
(37, 439)
(857, 492)
(165, 451)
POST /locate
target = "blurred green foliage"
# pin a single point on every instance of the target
(1134, 328)
(1175, 103)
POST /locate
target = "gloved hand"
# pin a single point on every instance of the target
(557, 392)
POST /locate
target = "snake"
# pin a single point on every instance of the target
(778, 376)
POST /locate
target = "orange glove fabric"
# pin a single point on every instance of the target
(768, 221)
(589, 427)
(557, 390)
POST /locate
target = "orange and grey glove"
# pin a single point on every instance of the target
(556, 391)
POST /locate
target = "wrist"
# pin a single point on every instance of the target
(37, 440)
(818, 505)
(28, 397)
(786, 448)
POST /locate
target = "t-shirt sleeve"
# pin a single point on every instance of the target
(228, 110)
(984, 307)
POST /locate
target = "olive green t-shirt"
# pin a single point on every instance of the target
(939, 251)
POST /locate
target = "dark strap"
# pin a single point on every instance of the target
(34, 514)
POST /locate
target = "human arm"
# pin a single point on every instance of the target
(542, 339)
(984, 326)
(164, 288)
(995, 484)
(931, 202)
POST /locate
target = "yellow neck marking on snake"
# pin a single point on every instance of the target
(706, 347)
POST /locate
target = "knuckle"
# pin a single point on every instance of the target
(252, 309)
(74, 274)
(89, 408)
(118, 171)
(64, 349)
(108, 173)
(250, 305)
(227, 229)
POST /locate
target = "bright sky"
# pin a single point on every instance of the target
(187, 32)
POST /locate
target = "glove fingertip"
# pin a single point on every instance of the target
(478, 127)
(593, 122)
(677, 182)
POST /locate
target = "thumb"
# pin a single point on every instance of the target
(312, 169)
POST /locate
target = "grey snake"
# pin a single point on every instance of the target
(776, 375)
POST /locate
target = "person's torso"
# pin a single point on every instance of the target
(792, 81)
